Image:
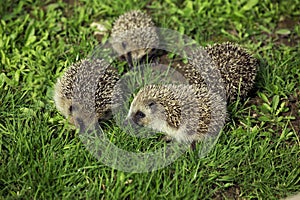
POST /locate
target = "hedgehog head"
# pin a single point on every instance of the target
(134, 35)
(156, 107)
(63, 90)
(62, 102)
(85, 90)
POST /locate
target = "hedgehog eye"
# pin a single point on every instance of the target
(140, 114)
(124, 45)
(137, 117)
(71, 109)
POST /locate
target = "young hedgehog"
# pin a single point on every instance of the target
(183, 112)
(72, 90)
(236, 66)
(134, 35)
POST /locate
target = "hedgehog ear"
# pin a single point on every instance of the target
(152, 105)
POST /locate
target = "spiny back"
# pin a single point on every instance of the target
(131, 20)
(238, 68)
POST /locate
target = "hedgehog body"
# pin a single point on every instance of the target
(222, 65)
(237, 67)
(183, 112)
(134, 35)
(86, 88)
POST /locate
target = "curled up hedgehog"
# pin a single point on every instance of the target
(133, 35)
(85, 90)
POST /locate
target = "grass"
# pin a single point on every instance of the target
(42, 156)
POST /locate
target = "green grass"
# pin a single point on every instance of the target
(42, 157)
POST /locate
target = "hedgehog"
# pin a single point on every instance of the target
(86, 87)
(133, 35)
(236, 66)
(183, 112)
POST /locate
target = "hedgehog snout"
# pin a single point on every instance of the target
(135, 118)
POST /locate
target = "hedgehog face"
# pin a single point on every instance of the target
(62, 103)
(81, 117)
(148, 113)
(72, 110)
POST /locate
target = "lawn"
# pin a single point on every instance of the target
(42, 156)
